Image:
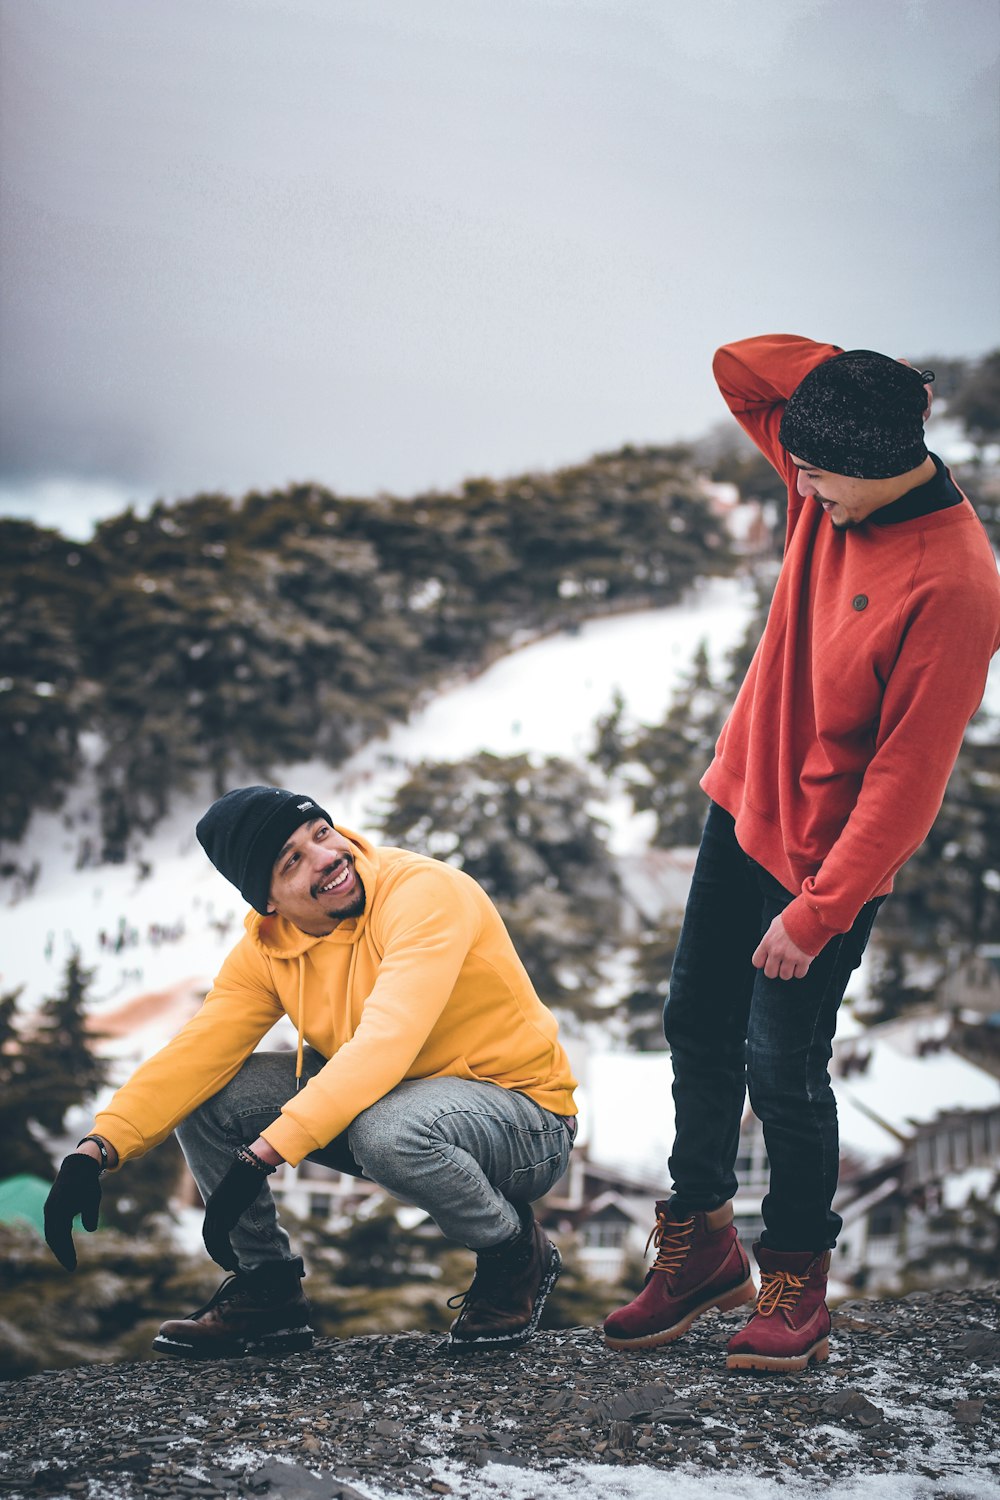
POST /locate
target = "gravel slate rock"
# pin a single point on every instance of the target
(911, 1387)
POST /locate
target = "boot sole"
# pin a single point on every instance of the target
(735, 1297)
(820, 1352)
(514, 1340)
(285, 1341)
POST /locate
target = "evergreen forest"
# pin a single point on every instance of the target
(230, 637)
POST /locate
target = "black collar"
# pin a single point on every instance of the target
(938, 493)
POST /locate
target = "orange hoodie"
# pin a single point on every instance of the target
(836, 755)
(425, 984)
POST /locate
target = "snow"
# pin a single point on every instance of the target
(627, 1109)
(903, 1090)
(898, 1090)
(682, 1481)
(541, 700)
(642, 1482)
(975, 1182)
(545, 698)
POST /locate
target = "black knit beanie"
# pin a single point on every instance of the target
(858, 414)
(243, 832)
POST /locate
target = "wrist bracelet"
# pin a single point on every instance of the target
(251, 1159)
(105, 1158)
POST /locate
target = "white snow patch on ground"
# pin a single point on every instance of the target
(641, 1482)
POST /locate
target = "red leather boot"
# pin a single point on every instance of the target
(700, 1264)
(790, 1324)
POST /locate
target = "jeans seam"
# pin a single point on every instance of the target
(446, 1149)
(511, 1125)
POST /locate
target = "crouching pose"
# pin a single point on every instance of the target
(425, 1062)
(827, 776)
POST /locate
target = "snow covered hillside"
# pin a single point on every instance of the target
(166, 917)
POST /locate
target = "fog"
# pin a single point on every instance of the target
(388, 246)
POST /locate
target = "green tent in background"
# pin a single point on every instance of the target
(22, 1198)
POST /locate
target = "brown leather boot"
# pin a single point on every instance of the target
(790, 1324)
(260, 1312)
(700, 1264)
(502, 1306)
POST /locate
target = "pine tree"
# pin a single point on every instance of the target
(977, 403)
(41, 579)
(671, 757)
(23, 1151)
(522, 828)
(642, 1008)
(946, 899)
(47, 1066)
(224, 637)
(891, 993)
(610, 737)
(142, 1189)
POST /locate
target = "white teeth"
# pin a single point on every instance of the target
(337, 881)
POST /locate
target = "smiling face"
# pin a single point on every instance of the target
(315, 882)
(849, 501)
(846, 501)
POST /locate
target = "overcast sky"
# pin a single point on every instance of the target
(387, 244)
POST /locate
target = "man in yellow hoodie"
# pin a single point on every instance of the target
(425, 1062)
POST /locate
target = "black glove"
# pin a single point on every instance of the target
(228, 1203)
(76, 1190)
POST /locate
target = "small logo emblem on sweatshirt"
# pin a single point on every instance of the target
(860, 601)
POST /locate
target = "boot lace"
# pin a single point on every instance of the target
(494, 1270)
(778, 1290)
(487, 1278)
(231, 1289)
(672, 1239)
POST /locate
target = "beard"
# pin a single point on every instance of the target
(355, 907)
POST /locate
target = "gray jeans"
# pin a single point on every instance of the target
(465, 1152)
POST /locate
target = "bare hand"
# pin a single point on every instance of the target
(267, 1153)
(778, 956)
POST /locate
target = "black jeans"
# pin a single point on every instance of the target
(731, 1030)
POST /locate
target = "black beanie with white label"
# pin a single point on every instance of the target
(243, 833)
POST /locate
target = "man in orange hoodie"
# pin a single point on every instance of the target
(827, 776)
(425, 1062)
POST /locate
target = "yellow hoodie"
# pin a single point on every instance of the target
(424, 984)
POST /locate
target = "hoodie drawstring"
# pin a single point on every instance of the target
(351, 966)
(302, 1012)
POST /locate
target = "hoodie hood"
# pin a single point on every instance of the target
(275, 937)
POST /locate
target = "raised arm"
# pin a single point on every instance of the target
(757, 376)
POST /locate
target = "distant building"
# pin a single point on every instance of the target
(973, 985)
(750, 523)
(920, 1150)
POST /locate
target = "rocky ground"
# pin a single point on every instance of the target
(911, 1389)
